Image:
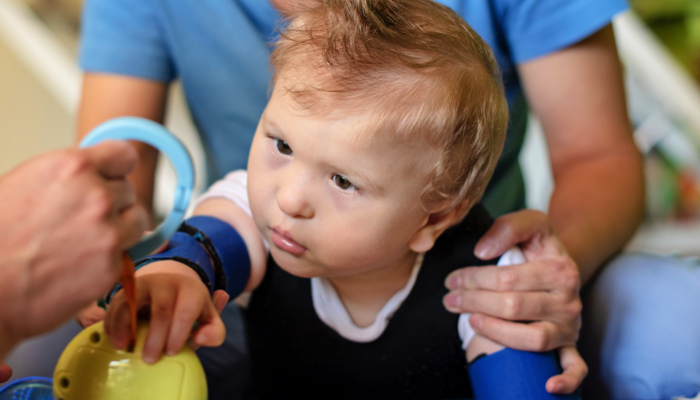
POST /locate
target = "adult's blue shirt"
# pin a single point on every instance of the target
(219, 50)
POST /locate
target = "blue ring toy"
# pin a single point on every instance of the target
(143, 130)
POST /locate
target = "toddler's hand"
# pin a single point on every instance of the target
(173, 303)
(90, 315)
(94, 313)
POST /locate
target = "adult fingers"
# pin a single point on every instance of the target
(574, 371)
(513, 306)
(131, 224)
(112, 158)
(540, 275)
(122, 194)
(536, 336)
(509, 230)
(5, 372)
(533, 276)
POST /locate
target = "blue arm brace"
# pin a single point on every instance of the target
(213, 249)
(227, 249)
(186, 250)
(514, 374)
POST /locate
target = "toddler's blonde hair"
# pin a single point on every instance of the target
(430, 75)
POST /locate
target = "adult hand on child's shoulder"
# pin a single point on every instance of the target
(544, 290)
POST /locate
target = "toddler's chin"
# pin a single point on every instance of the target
(294, 265)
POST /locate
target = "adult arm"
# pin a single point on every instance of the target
(597, 204)
(66, 217)
(107, 96)
(598, 198)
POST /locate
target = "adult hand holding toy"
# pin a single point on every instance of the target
(66, 218)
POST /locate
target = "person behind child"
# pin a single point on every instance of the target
(384, 126)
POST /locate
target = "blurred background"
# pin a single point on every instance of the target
(659, 45)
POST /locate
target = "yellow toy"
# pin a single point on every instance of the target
(90, 368)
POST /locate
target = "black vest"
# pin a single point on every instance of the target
(419, 355)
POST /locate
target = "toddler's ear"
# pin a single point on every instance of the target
(436, 223)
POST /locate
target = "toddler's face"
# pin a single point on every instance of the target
(330, 198)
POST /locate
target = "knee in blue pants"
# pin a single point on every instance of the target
(641, 330)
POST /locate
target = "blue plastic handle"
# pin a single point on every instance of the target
(143, 130)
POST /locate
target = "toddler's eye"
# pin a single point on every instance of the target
(343, 182)
(283, 147)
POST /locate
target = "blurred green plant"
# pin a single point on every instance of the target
(652, 9)
(677, 24)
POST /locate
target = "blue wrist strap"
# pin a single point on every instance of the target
(514, 374)
(227, 249)
(185, 249)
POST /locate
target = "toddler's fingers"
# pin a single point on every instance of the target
(211, 331)
(163, 300)
(188, 309)
(575, 369)
(194, 346)
(118, 321)
(210, 335)
(90, 315)
(183, 331)
(220, 299)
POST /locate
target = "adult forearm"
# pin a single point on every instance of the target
(598, 200)
(597, 205)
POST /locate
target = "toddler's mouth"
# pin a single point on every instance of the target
(284, 241)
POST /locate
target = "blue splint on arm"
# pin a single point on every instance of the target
(187, 250)
(184, 249)
(213, 249)
(228, 251)
(514, 374)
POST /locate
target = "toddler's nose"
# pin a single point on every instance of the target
(293, 197)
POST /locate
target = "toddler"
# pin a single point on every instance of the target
(384, 125)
